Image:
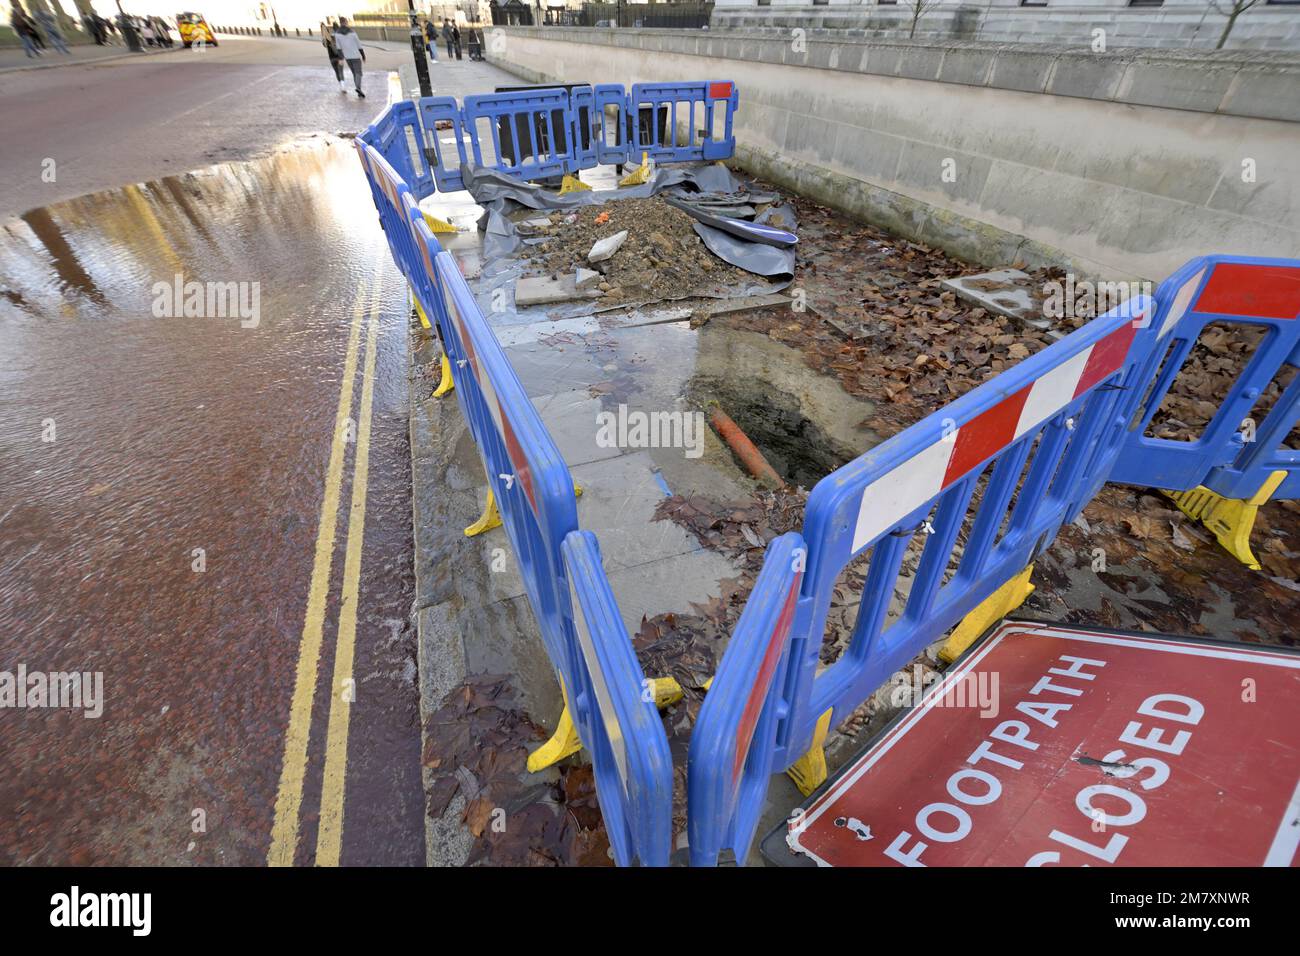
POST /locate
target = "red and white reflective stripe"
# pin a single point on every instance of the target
(1178, 308)
(922, 477)
(766, 670)
(1252, 290)
(522, 473)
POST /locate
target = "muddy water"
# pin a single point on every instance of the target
(161, 480)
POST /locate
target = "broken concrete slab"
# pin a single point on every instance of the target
(605, 248)
(541, 290)
(586, 278)
(1008, 292)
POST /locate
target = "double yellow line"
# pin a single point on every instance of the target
(293, 772)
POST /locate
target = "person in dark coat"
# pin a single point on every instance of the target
(332, 51)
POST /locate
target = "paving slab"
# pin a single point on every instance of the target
(1008, 292)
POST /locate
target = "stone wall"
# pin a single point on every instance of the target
(1174, 23)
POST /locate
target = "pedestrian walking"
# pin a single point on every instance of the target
(26, 29)
(349, 45)
(431, 40)
(446, 37)
(332, 51)
(51, 28)
(455, 38)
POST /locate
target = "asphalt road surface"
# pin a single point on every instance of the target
(204, 471)
(136, 119)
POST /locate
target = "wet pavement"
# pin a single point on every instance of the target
(82, 128)
(170, 469)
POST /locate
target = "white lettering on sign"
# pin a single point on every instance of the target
(950, 823)
(1116, 806)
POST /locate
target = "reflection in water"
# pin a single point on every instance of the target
(133, 443)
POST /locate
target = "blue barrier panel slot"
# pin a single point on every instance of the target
(529, 132)
(732, 743)
(586, 129)
(1237, 290)
(448, 144)
(616, 717)
(667, 115)
(611, 119)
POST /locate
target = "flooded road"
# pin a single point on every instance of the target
(205, 500)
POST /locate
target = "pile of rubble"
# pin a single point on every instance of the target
(629, 251)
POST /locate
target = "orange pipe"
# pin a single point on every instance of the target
(745, 449)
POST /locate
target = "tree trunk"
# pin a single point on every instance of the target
(1232, 19)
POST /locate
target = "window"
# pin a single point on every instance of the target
(1033, 3)
(1146, 3)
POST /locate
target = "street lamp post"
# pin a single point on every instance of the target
(417, 51)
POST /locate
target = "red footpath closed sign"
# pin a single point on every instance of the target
(1052, 746)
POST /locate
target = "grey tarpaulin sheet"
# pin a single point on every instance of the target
(770, 261)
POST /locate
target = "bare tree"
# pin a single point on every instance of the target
(921, 7)
(1237, 8)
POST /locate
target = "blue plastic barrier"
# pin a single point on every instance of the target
(446, 145)
(531, 132)
(733, 743)
(614, 711)
(714, 102)
(536, 134)
(1264, 293)
(611, 124)
(1036, 442)
(590, 649)
(533, 489)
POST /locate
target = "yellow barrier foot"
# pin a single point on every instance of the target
(809, 771)
(639, 175)
(563, 743)
(572, 184)
(445, 382)
(666, 691)
(419, 310)
(491, 518)
(992, 609)
(1231, 519)
(437, 225)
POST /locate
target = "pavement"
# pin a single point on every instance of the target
(207, 508)
(13, 58)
